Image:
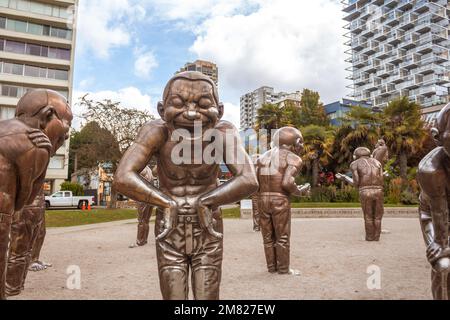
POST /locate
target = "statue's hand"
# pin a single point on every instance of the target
(340, 176)
(39, 139)
(306, 190)
(170, 221)
(207, 221)
(434, 252)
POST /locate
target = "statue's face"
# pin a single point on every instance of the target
(189, 102)
(57, 129)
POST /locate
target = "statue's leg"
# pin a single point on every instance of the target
(22, 230)
(206, 260)
(379, 212)
(256, 223)
(282, 221)
(173, 263)
(8, 191)
(35, 263)
(268, 233)
(369, 219)
(147, 217)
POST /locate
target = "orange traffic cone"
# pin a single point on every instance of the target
(83, 207)
(89, 207)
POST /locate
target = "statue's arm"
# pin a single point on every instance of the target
(426, 221)
(294, 165)
(128, 180)
(244, 182)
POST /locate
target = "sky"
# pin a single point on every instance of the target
(127, 50)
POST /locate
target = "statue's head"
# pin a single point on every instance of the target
(190, 97)
(361, 153)
(381, 143)
(289, 138)
(48, 111)
(441, 131)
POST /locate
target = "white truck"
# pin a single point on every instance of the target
(66, 199)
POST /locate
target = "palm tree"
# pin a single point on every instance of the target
(318, 142)
(269, 117)
(404, 130)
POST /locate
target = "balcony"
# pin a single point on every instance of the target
(352, 14)
(393, 18)
(409, 41)
(421, 6)
(410, 61)
(360, 61)
(408, 21)
(404, 5)
(357, 26)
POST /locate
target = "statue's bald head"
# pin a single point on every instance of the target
(441, 131)
(361, 152)
(442, 120)
(289, 137)
(35, 101)
(191, 76)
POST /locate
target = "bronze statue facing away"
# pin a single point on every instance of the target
(277, 170)
(434, 179)
(41, 126)
(368, 177)
(144, 214)
(188, 221)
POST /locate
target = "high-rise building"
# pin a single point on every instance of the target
(253, 101)
(37, 44)
(208, 68)
(399, 48)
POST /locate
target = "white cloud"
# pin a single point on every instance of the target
(129, 97)
(145, 63)
(232, 113)
(106, 24)
(290, 45)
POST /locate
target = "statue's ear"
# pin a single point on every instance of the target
(161, 110)
(221, 110)
(45, 116)
(436, 136)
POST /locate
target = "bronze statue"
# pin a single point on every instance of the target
(276, 171)
(367, 176)
(27, 142)
(144, 214)
(434, 179)
(189, 224)
(381, 152)
(25, 231)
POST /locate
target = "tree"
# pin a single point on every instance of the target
(318, 141)
(122, 123)
(312, 111)
(360, 128)
(404, 131)
(92, 146)
(269, 117)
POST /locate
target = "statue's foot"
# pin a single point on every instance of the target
(256, 230)
(36, 267)
(46, 264)
(136, 245)
(294, 272)
(385, 232)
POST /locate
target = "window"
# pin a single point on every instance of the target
(10, 91)
(34, 28)
(7, 113)
(2, 22)
(58, 194)
(2, 44)
(12, 68)
(61, 75)
(56, 162)
(31, 71)
(4, 3)
(14, 46)
(33, 50)
(67, 194)
(15, 25)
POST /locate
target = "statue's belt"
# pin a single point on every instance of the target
(188, 219)
(273, 194)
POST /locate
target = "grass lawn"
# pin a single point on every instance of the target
(70, 218)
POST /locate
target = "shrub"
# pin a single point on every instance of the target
(77, 189)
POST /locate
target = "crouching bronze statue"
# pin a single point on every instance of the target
(41, 126)
(277, 170)
(189, 142)
(434, 179)
(367, 176)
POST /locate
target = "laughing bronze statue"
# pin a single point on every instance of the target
(27, 142)
(144, 214)
(277, 170)
(434, 179)
(367, 176)
(189, 225)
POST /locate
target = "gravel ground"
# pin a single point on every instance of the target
(330, 254)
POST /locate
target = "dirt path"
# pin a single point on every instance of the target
(330, 254)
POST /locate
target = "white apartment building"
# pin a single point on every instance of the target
(253, 101)
(399, 48)
(37, 46)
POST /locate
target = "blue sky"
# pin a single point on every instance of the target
(128, 49)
